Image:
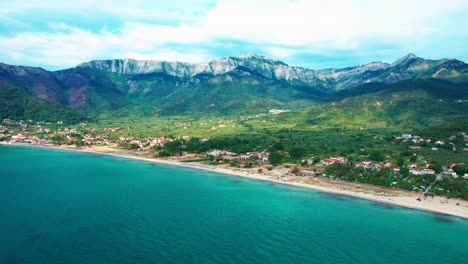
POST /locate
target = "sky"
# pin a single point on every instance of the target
(309, 33)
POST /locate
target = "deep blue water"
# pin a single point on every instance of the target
(67, 207)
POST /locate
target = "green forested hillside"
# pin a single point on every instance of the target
(407, 104)
(16, 104)
(435, 87)
(238, 92)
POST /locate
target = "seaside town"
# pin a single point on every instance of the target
(414, 173)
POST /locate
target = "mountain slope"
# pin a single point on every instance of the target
(16, 104)
(408, 104)
(233, 85)
(237, 91)
(34, 81)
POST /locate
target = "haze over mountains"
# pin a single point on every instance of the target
(251, 83)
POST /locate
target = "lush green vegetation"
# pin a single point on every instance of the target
(241, 91)
(16, 104)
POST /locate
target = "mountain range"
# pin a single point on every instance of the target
(247, 84)
(407, 67)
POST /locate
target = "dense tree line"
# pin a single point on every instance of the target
(16, 104)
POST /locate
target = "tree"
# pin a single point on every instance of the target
(58, 138)
(296, 152)
(275, 158)
(277, 146)
(437, 168)
(248, 165)
(400, 162)
(337, 169)
(404, 171)
(460, 169)
(376, 155)
(406, 153)
(174, 147)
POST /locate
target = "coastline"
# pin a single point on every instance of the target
(396, 197)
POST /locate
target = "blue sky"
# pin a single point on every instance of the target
(309, 33)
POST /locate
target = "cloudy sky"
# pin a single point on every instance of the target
(310, 33)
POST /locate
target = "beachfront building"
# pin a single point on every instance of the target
(419, 171)
(309, 161)
(331, 160)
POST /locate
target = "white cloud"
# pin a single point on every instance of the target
(279, 52)
(335, 23)
(170, 55)
(279, 28)
(71, 46)
(149, 35)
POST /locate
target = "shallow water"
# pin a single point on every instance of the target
(68, 207)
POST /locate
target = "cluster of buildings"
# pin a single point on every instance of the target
(417, 140)
(89, 139)
(449, 172)
(5, 132)
(277, 111)
(24, 125)
(413, 138)
(421, 171)
(12, 122)
(332, 160)
(66, 131)
(153, 141)
(230, 156)
(366, 164)
(158, 141)
(71, 135)
(22, 138)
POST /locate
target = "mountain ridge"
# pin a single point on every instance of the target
(250, 83)
(407, 67)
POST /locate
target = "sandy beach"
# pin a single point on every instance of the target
(281, 175)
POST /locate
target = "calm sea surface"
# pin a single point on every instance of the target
(67, 207)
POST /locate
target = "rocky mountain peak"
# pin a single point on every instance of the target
(405, 58)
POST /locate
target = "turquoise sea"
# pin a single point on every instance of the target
(67, 207)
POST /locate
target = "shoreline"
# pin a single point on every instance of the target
(397, 197)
